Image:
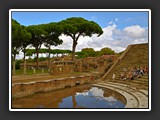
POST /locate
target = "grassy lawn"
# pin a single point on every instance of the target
(30, 72)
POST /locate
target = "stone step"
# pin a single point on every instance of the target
(135, 80)
(134, 84)
(143, 78)
(131, 100)
(142, 99)
(145, 92)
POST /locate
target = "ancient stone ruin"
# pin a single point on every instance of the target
(62, 67)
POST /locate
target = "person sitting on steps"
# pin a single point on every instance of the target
(114, 76)
(122, 76)
(130, 76)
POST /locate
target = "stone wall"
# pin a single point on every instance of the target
(104, 61)
(89, 64)
(78, 66)
(98, 64)
(62, 67)
(29, 88)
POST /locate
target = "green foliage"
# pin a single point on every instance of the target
(52, 37)
(48, 34)
(43, 50)
(30, 72)
(86, 52)
(20, 40)
(107, 51)
(30, 60)
(76, 27)
(20, 36)
(30, 52)
(109, 60)
(25, 37)
(16, 38)
(38, 35)
(42, 59)
(90, 52)
(18, 62)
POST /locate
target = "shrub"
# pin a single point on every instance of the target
(109, 60)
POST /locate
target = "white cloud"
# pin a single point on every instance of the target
(111, 22)
(116, 19)
(97, 92)
(20, 55)
(84, 93)
(110, 99)
(67, 43)
(135, 31)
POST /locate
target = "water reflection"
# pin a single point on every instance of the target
(82, 96)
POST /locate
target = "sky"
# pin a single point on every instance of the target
(119, 28)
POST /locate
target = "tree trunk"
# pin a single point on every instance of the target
(49, 53)
(74, 101)
(37, 66)
(14, 64)
(73, 50)
(24, 60)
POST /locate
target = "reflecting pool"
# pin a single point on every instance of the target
(81, 96)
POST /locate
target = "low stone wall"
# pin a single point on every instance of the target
(29, 88)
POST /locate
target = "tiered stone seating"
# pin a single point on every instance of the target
(135, 91)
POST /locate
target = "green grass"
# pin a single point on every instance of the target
(30, 72)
